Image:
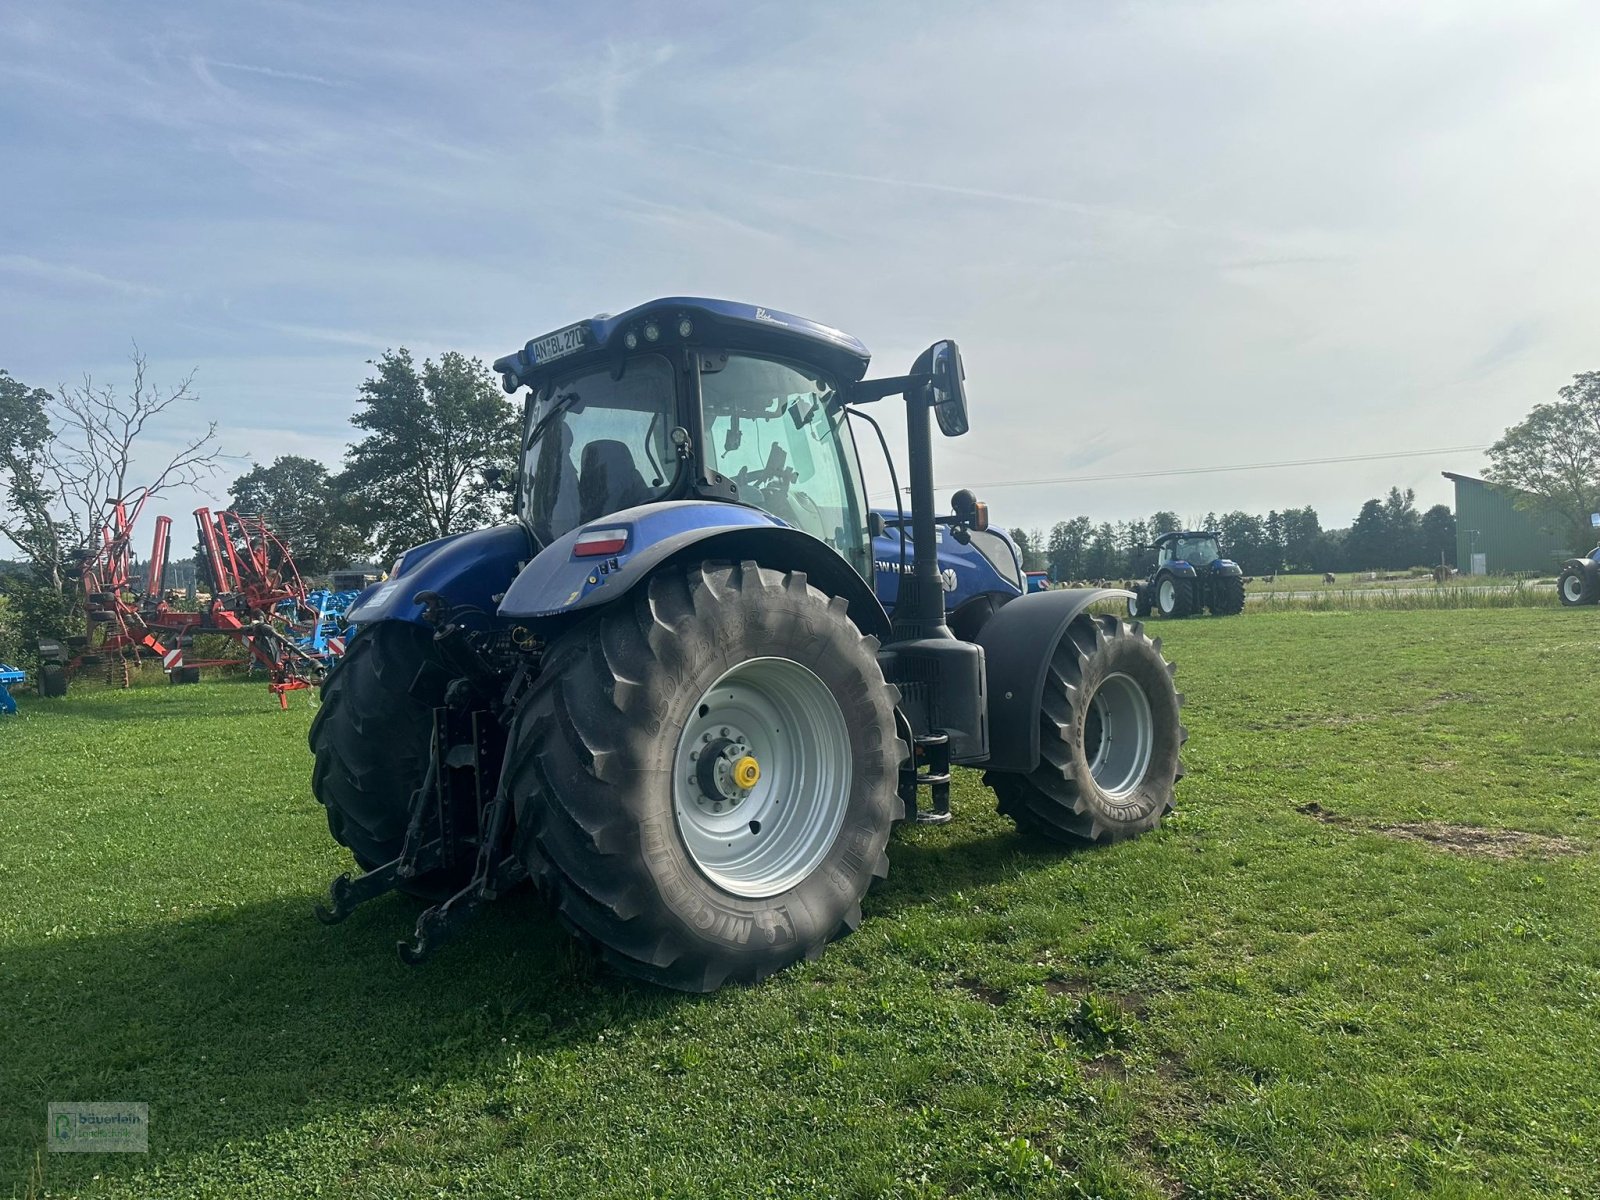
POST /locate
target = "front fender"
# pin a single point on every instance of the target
(559, 583)
(470, 568)
(1017, 642)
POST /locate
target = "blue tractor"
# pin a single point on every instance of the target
(692, 686)
(1190, 576)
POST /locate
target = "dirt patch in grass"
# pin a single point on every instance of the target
(1457, 839)
(1473, 839)
(981, 990)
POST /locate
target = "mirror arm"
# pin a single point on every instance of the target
(866, 391)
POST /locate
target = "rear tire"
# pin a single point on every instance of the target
(182, 675)
(1576, 585)
(1227, 596)
(372, 738)
(624, 827)
(1109, 739)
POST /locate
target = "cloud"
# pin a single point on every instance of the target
(71, 276)
(275, 73)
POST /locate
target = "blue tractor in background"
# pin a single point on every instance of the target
(1191, 575)
(694, 683)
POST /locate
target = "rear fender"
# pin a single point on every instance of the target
(467, 569)
(1182, 570)
(1017, 642)
(558, 583)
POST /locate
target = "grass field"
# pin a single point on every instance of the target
(1332, 973)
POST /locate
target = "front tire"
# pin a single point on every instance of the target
(372, 738)
(1109, 739)
(1576, 585)
(1175, 596)
(637, 803)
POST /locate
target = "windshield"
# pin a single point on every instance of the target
(596, 444)
(1196, 551)
(768, 428)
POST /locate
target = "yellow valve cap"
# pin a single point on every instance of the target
(747, 772)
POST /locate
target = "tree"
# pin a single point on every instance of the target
(1366, 543)
(1100, 560)
(1402, 529)
(1438, 534)
(1068, 548)
(1244, 540)
(1552, 457)
(61, 490)
(27, 519)
(431, 435)
(1303, 549)
(1164, 522)
(303, 507)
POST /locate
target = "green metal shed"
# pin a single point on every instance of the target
(1508, 538)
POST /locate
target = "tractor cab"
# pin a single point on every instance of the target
(1196, 549)
(686, 399)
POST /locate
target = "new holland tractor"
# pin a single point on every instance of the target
(692, 686)
(1191, 576)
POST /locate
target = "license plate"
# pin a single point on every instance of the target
(558, 344)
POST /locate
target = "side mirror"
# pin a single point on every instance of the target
(942, 360)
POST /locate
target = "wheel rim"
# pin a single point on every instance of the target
(762, 777)
(1169, 595)
(1118, 735)
(1573, 588)
(1133, 606)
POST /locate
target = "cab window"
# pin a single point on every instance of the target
(598, 443)
(769, 429)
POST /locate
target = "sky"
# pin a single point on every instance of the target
(1165, 235)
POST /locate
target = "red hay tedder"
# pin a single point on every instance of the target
(258, 601)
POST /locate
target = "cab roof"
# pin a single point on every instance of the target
(1186, 533)
(719, 323)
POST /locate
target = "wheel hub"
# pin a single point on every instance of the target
(725, 770)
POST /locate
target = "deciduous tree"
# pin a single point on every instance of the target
(303, 506)
(1552, 456)
(431, 435)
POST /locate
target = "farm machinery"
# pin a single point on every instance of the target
(9, 677)
(689, 690)
(1579, 581)
(258, 601)
(1190, 576)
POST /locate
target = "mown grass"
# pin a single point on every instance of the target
(1251, 1002)
(1429, 595)
(1417, 577)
